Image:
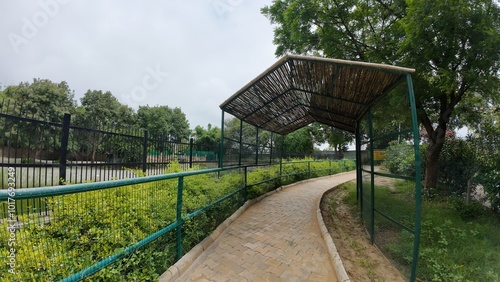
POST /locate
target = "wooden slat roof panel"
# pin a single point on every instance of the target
(298, 90)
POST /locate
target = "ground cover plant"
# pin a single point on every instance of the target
(75, 231)
(452, 247)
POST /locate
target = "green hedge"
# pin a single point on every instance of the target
(79, 230)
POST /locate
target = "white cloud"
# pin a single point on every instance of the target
(209, 49)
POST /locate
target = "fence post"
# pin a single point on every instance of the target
(372, 177)
(359, 167)
(145, 152)
(271, 150)
(191, 152)
(418, 179)
(64, 149)
(257, 146)
(180, 185)
(241, 143)
(221, 144)
(245, 189)
(282, 153)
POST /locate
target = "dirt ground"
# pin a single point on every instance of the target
(362, 261)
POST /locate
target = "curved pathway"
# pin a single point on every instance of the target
(275, 239)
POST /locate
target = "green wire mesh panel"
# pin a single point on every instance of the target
(389, 187)
(61, 235)
(74, 235)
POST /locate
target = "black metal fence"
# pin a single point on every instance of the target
(48, 151)
(252, 146)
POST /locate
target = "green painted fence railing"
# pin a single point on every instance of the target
(137, 226)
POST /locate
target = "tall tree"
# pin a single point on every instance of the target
(339, 139)
(164, 121)
(459, 59)
(453, 44)
(207, 139)
(42, 98)
(299, 141)
(102, 110)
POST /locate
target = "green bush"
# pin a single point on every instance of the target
(457, 164)
(84, 228)
(400, 158)
(489, 177)
(468, 211)
(453, 246)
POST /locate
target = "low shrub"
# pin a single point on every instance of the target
(75, 231)
(458, 241)
(468, 211)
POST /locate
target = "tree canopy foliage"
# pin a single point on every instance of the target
(453, 45)
(301, 141)
(44, 99)
(41, 99)
(98, 107)
(207, 139)
(164, 121)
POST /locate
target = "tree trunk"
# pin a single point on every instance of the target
(436, 138)
(432, 165)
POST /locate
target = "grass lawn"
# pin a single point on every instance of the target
(451, 248)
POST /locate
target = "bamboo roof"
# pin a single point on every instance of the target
(298, 90)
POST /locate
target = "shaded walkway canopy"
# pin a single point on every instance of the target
(376, 102)
(298, 90)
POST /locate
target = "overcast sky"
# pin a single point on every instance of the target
(188, 54)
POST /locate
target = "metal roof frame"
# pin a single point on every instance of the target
(316, 86)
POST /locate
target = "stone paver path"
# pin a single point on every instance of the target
(275, 239)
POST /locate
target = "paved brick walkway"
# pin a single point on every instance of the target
(275, 239)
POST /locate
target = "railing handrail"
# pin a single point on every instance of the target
(58, 190)
(49, 191)
(175, 224)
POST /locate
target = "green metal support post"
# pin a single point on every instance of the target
(282, 153)
(245, 181)
(241, 142)
(418, 178)
(179, 220)
(359, 166)
(271, 150)
(372, 178)
(257, 146)
(221, 149)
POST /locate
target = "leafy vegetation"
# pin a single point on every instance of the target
(459, 60)
(78, 230)
(164, 121)
(400, 159)
(453, 247)
(461, 170)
